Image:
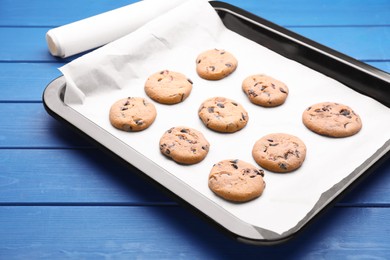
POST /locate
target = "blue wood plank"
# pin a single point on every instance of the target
(362, 43)
(25, 44)
(26, 81)
(70, 177)
(27, 125)
(320, 13)
(283, 12)
(56, 13)
(175, 233)
(384, 66)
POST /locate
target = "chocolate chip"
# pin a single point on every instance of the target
(243, 116)
(139, 122)
(270, 140)
(210, 109)
(220, 105)
(212, 68)
(127, 127)
(234, 103)
(234, 166)
(167, 151)
(259, 172)
(228, 65)
(199, 61)
(282, 166)
(252, 93)
(282, 90)
(345, 112)
(190, 81)
(184, 130)
(234, 161)
(124, 108)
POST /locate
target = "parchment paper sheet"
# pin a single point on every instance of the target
(173, 41)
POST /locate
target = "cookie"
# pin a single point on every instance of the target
(279, 152)
(265, 91)
(184, 145)
(215, 64)
(132, 114)
(223, 115)
(332, 119)
(236, 180)
(168, 87)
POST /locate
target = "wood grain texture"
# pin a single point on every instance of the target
(175, 233)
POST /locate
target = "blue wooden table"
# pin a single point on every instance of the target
(61, 197)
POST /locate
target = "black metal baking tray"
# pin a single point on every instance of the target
(352, 73)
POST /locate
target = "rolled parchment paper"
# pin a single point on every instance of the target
(98, 30)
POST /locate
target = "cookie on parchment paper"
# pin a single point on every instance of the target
(184, 145)
(215, 64)
(236, 180)
(223, 115)
(132, 114)
(264, 90)
(168, 87)
(332, 119)
(279, 152)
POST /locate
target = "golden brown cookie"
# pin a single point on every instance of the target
(215, 64)
(184, 145)
(264, 90)
(223, 115)
(132, 114)
(279, 152)
(332, 119)
(168, 87)
(236, 180)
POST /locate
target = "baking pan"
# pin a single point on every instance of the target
(356, 75)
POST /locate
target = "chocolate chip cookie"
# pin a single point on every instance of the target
(215, 64)
(223, 115)
(236, 180)
(332, 119)
(168, 87)
(184, 145)
(132, 114)
(264, 90)
(279, 152)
